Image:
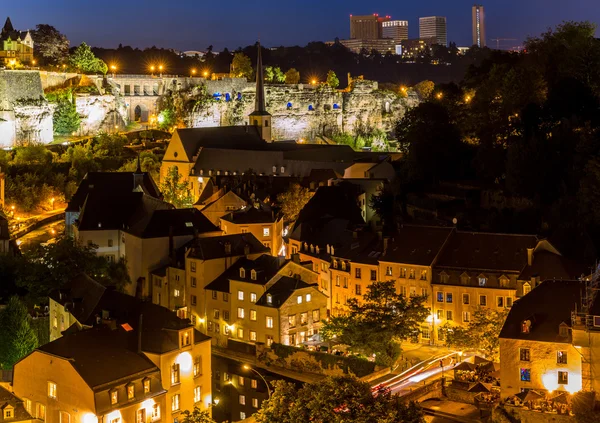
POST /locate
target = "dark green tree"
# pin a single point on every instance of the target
(18, 338)
(49, 45)
(336, 400)
(379, 323)
(66, 119)
(175, 190)
(84, 60)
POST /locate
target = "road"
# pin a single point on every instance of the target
(43, 234)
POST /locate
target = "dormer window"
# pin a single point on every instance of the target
(114, 397)
(269, 299)
(343, 265)
(332, 250)
(9, 412)
(146, 384)
(526, 288)
(563, 330)
(130, 391)
(526, 326)
(242, 272)
(335, 264)
(253, 274)
(482, 280)
(274, 169)
(185, 339)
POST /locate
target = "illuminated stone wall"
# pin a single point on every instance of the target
(100, 113)
(25, 115)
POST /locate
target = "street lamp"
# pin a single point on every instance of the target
(205, 73)
(193, 72)
(113, 68)
(152, 69)
(160, 69)
(314, 82)
(246, 367)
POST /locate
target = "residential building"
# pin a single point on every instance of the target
(416, 47)
(14, 409)
(180, 352)
(15, 46)
(205, 259)
(91, 376)
(478, 16)
(396, 30)
(249, 302)
(434, 27)
(259, 220)
(134, 225)
(543, 343)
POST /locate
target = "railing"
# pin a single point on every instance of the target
(155, 75)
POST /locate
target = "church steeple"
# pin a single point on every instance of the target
(8, 26)
(260, 117)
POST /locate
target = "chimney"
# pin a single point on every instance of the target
(139, 343)
(530, 256)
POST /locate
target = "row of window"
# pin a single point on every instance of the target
(525, 355)
(227, 172)
(403, 273)
(525, 376)
(292, 321)
(466, 299)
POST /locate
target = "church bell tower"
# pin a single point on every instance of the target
(260, 117)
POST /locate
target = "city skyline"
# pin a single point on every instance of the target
(223, 26)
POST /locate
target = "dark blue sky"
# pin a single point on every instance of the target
(195, 24)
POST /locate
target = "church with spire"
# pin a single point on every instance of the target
(200, 154)
(15, 46)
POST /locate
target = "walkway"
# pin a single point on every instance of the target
(451, 410)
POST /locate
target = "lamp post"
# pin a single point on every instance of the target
(113, 68)
(246, 367)
(160, 69)
(193, 73)
(152, 70)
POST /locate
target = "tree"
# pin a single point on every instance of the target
(482, 333)
(424, 89)
(49, 45)
(50, 267)
(149, 161)
(196, 416)
(278, 75)
(269, 73)
(379, 323)
(241, 66)
(293, 201)
(335, 400)
(292, 76)
(66, 119)
(332, 79)
(175, 190)
(18, 337)
(84, 60)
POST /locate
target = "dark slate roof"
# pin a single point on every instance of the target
(209, 248)
(8, 31)
(281, 290)
(234, 137)
(418, 245)
(547, 265)
(250, 215)
(6, 399)
(101, 355)
(486, 251)
(266, 267)
(182, 221)
(86, 300)
(111, 183)
(546, 306)
(334, 201)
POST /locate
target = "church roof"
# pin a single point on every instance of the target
(259, 102)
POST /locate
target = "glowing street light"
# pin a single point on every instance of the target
(205, 73)
(193, 72)
(52, 202)
(152, 68)
(113, 68)
(439, 96)
(160, 69)
(313, 82)
(468, 99)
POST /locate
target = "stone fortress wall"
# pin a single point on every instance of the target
(299, 111)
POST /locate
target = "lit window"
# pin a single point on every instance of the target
(440, 297)
(269, 299)
(175, 374)
(254, 384)
(197, 394)
(241, 380)
(388, 271)
(175, 403)
(156, 412)
(114, 397)
(146, 386)
(193, 266)
(241, 295)
(241, 313)
(242, 415)
(482, 281)
(466, 298)
(255, 402)
(524, 354)
(193, 281)
(141, 416)
(130, 391)
(525, 375)
(561, 357)
(449, 315)
(253, 274)
(440, 314)
(269, 322)
(466, 317)
(252, 297)
(299, 299)
(8, 413)
(52, 390)
(563, 378)
(242, 272)
(316, 316)
(303, 318)
(253, 315)
(185, 338)
(292, 320)
(266, 231)
(242, 400)
(269, 339)
(41, 411)
(176, 293)
(216, 313)
(197, 366)
(253, 335)
(240, 333)
(526, 288)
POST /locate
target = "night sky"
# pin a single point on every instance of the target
(196, 24)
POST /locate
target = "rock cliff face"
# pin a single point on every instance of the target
(25, 115)
(304, 111)
(100, 113)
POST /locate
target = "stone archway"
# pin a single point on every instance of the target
(140, 113)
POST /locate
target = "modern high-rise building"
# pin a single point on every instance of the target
(478, 26)
(367, 27)
(396, 30)
(434, 26)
